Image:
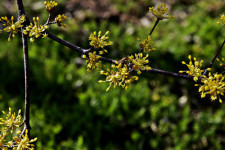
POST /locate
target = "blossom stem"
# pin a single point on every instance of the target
(157, 21)
(217, 53)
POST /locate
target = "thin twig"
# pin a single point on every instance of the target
(217, 53)
(170, 73)
(78, 49)
(67, 44)
(27, 84)
(157, 21)
(49, 17)
(26, 121)
(48, 22)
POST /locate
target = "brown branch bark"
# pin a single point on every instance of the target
(173, 74)
(157, 21)
(26, 120)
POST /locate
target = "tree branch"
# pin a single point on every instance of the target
(170, 73)
(67, 44)
(108, 60)
(76, 48)
(157, 21)
(26, 120)
(217, 53)
(20, 8)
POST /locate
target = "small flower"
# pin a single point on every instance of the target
(194, 68)
(98, 41)
(12, 27)
(139, 62)
(50, 6)
(44, 35)
(35, 30)
(11, 121)
(147, 45)
(60, 19)
(161, 12)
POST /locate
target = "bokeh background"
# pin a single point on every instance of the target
(70, 110)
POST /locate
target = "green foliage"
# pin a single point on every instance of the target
(71, 110)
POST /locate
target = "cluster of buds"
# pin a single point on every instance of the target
(98, 44)
(12, 27)
(92, 61)
(147, 45)
(139, 62)
(119, 75)
(212, 84)
(60, 20)
(222, 18)
(10, 123)
(121, 72)
(194, 68)
(50, 6)
(161, 12)
(98, 41)
(35, 30)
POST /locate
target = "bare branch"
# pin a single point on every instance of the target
(217, 53)
(170, 73)
(157, 21)
(26, 121)
(67, 44)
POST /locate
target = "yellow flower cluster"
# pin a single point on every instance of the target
(121, 77)
(98, 41)
(121, 73)
(194, 68)
(139, 62)
(12, 27)
(35, 30)
(60, 19)
(10, 123)
(161, 12)
(146, 45)
(50, 6)
(24, 142)
(222, 18)
(212, 84)
(92, 61)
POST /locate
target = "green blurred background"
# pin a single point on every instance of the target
(70, 110)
